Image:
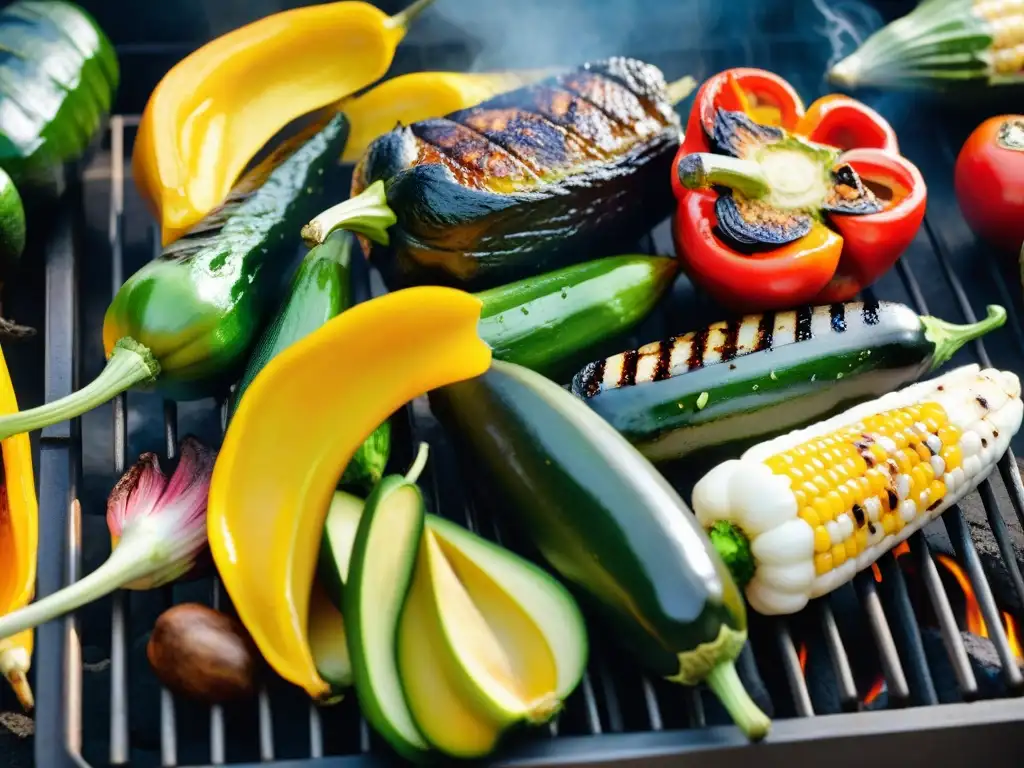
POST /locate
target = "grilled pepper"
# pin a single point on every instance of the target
(19, 529)
(797, 516)
(214, 110)
(781, 206)
(187, 319)
(567, 169)
(58, 76)
(267, 505)
(610, 525)
(742, 380)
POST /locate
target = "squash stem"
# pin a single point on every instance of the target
(733, 546)
(702, 170)
(724, 681)
(367, 213)
(403, 19)
(130, 364)
(14, 665)
(680, 89)
(413, 475)
(949, 337)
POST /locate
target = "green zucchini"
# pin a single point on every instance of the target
(610, 525)
(738, 382)
(340, 528)
(547, 322)
(320, 291)
(12, 226)
(328, 643)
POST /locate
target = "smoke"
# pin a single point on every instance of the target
(847, 25)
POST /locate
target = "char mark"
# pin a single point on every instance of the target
(804, 316)
(837, 317)
(732, 339)
(612, 98)
(697, 345)
(472, 151)
(982, 402)
(587, 382)
(858, 514)
(869, 312)
(765, 332)
(663, 368)
(894, 499)
(627, 375)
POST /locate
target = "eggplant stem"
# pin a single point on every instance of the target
(130, 364)
(413, 475)
(949, 337)
(679, 89)
(724, 681)
(702, 170)
(403, 19)
(367, 213)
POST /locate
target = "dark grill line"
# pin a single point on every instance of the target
(629, 362)
(579, 93)
(696, 359)
(450, 152)
(732, 339)
(664, 365)
(804, 315)
(765, 332)
(837, 317)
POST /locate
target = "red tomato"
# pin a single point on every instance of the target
(990, 181)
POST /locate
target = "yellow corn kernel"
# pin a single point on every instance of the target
(877, 479)
(817, 465)
(862, 539)
(923, 452)
(823, 563)
(904, 461)
(932, 410)
(835, 503)
(953, 457)
(949, 435)
(810, 489)
(865, 488)
(898, 519)
(823, 508)
(878, 453)
(936, 491)
(848, 494)
(851, 547)
(838, 555)
(810, 516)
(900, 438)
(912, 413)
(883, 499)
(795, 474)
(889, 523)
(821, 484)
(833, 477)
(822, 541)
(920, 477)
(779, 464)
(801, 498)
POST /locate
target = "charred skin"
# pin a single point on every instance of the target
(573, 168)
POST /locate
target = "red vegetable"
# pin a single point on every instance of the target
(781, 205)
(990, 181)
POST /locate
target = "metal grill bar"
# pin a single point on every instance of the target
(837, 654)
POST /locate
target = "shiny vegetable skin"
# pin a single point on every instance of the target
(199, 305)
(609, 524)
(571, 168)
(739, 381)
(546, 323)
(58, 77)
(988, 179)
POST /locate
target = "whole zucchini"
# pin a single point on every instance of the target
(58, 76)
(186, 320)
(737, 382)
(610, 525)
(571, 168)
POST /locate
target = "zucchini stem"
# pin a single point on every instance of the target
(733, 546)
(949, 337)
(725, 682)
(413, 475)
(679, 89)
(130, 364)
(367, 213)
(403, 19)
(702, 170)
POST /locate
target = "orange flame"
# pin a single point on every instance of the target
(876, 690)
(898, 551)
(972, 612)
(801, 654)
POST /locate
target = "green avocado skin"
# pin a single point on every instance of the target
(201, 304)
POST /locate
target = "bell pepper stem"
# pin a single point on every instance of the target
(733, 546)
(702, 170)
(949, 337)
(725, 683)
(679, 89)
(403, 19)
(130, 364)
(367, 213)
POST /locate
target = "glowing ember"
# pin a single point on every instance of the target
(899, 550)
(801, 654)
(972, 611)
(877, 689)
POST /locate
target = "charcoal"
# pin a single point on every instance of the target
(984, 662)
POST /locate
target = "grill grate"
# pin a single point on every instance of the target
(637, 720)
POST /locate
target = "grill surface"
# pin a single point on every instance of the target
(99, 704)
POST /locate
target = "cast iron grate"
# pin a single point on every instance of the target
(96, 712)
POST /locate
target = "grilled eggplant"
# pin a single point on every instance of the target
(761, 375)
(571, 168)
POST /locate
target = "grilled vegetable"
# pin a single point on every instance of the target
(268, 504)
(610, 525)
(570, 168)
(546, 322)
(942, 44)
(58, 75)
(320, 291)
(186, 320)
(761, 375)
(989, 177)
(792, 206)
(799, 515)
(216, 108)
(328, 642)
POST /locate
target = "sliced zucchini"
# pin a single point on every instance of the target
(380, 570)
(336, 545)
(329, 643)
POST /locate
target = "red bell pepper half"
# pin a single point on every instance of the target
(781, 205)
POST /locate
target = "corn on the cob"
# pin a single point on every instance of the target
(941, 43)
(799, 515)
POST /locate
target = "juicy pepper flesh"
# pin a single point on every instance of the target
(295, 430)
(797, 516)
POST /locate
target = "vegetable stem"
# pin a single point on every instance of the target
(702, 170)
(733, 547)
(949, 337)
(403, 19)
(680, 89)
(724, 681)
(413, 475)
(14, 665)
(367, 213)
(130, 364)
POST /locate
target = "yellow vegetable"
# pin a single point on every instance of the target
(214, 110)
(420, 95)
(19, 530)
(296, 428)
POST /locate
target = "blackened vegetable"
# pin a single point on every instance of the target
(761, 375)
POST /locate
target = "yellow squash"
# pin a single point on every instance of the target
(417, 96)
(19, 531)
(214, 110)
(296, 428)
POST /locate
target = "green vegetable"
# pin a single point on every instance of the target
(609, 523)
(320, 291)
(328, 643)
(12, 244)
(187, 320)
(546, 322)
(336, 545)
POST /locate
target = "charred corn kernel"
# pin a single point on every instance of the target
(902, 459)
